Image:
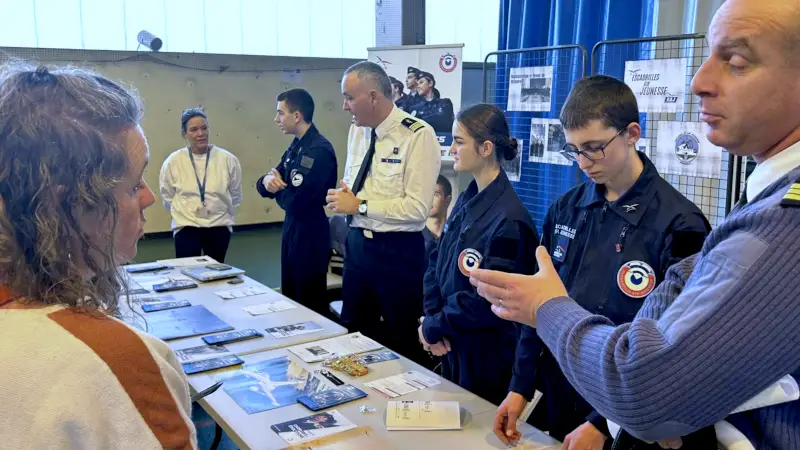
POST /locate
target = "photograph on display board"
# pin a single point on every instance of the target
(547, 140)
(658, 84)
(530, 88)
(269, 384)
(426, 83)
(513, 167)
(683, 149)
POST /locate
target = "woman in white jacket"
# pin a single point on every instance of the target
(201, 186)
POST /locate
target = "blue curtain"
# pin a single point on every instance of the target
(544, 23)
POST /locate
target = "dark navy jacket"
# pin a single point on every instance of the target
(598, 248)
(437, 112)
(311, 161)
(493, 230)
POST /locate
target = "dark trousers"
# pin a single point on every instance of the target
(305, 252)
(482, 362)
(561, 410)
(193, 241)
(383, 278)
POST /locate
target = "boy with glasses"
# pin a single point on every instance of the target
(611, 238)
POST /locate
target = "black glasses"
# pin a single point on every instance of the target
(571, 152)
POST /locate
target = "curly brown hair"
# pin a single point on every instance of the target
(61, 158)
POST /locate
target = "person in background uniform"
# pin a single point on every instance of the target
(725, 324)
(436, 111)
(436, 219)
(398, 96)
(299, 184)
(612, 240)
(201, 187)
(72, 201)
(412, 77)
(387, 193)
(489, 227)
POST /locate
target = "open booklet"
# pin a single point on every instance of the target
(347, 345)
(423, 415)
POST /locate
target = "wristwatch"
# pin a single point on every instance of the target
(362, 208)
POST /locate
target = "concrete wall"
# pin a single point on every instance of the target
(240, 102)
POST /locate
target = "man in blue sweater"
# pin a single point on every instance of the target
(725, 323)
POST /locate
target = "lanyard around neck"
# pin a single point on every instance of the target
(201, 186)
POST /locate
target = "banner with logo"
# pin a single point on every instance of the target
(426, 82)
(658, 84)
(683, 149)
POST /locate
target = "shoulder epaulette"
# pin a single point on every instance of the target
(792, 197)
(413, 125)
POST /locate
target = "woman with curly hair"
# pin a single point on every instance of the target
(72, 196)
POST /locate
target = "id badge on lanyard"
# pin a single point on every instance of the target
(202, 212)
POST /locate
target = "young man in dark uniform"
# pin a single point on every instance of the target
(299, 183)
(398, 96)
(611, 238)
(413, 97)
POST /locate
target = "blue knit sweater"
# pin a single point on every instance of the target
(723, 326)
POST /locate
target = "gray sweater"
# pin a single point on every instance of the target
(723, 326)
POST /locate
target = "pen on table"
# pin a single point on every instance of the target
(207, 391)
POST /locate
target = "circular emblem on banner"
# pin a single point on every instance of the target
(687, 147)
(448, 62)
(297, 179)
(636, 279)
(469, 260)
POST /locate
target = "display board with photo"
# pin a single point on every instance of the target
(530, 88)
(547, 139)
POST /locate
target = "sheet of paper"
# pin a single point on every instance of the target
(350, 344)
(266, 308)
(201, 353)
(187, 262)
(423, 415)
(294, 329)
(402, 384)
(243, 292)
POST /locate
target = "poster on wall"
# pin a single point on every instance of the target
(513, 167)
(530, 88)
(658, 84)
(547, 140)
(426, 83)
(683, 149)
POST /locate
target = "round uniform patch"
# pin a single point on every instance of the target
(297, 179)
(469, 260)
(636, 279)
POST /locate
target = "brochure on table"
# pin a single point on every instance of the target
(423, 415)
(402, 384)
(346, 345)
(312, 427)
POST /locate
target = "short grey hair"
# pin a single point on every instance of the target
(368, 70)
